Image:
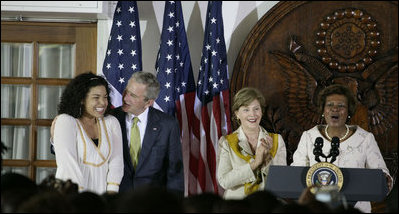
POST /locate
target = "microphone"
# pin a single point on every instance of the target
(317, 151)
(334, 152)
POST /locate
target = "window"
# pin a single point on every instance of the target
(37, 61)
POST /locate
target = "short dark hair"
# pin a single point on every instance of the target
(77, 90)
(341, 90)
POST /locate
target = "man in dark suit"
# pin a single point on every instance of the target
(160, 158)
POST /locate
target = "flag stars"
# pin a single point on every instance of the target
(121, 80)
(213, 20)
(171, 15)
(169, 57)
(120, 51)
(168, 71)
(199, 82)
(118, 10)
(134, 67)
(170, 29)
(119, 38)
(214, 53)
(133, 38)
(178, 89)
(183, 84)
(133, 53)
(170, 43)
(167, 85)
(210, 79)
(177, 24)
(109, 52)
(108, 65)
(208, 47)
(217, 40)
(215, 85)
(132, 24)
(181, 64)
(206, 92)
(118, 23)
(177, 57)
(167, 98)
(120, 66)
(221, 81)
(131, 10)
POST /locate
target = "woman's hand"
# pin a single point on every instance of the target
(389, 182)
(259, 156)
(268, 144)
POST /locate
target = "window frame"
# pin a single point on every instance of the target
(83, 35)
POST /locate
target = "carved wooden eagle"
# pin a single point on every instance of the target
(306, 76)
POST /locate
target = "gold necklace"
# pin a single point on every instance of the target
(340, 139)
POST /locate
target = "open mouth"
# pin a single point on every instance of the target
(252, 120)
(334, 117)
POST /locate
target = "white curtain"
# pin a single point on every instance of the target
(15, 99)
(54, 61)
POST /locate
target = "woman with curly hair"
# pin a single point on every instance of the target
(87, 140)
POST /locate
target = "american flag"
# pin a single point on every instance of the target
(175, 75)
(212, 105)
(123, 55)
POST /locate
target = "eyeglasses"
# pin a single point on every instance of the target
(338, 106)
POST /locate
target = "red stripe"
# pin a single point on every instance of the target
(210, 151)
(179, 115)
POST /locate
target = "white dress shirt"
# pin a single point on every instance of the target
(142, 124)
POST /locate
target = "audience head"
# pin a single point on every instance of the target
(87, 202)
(87, 93)
(51, 183)
(141, 92)
(248, 101)
(262, 201)
(232, 206)
(15, 189)
(150, 199)
(46, 202)
(201, 203)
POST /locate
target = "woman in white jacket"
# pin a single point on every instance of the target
(88, 141)
(245, 155)
(358, 147)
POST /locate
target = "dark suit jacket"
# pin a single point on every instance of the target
(160, 160)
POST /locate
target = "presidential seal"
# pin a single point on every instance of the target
(324, 174)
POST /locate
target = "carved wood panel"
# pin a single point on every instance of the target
(299, 48)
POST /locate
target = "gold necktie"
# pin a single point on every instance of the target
(135, 142)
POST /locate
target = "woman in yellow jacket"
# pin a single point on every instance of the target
(245, 155)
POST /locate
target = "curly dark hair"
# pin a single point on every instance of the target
(341, 90)
(77, 90)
